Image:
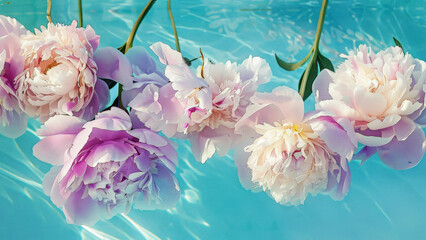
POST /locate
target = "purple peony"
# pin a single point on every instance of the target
(104, 166)
(13, 121)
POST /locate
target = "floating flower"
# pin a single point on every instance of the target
(13, 122)
(105, 166)
(59, 76)
(288, 154)
(205, 107)
(383, 95)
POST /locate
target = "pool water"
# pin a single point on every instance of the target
(382, 203)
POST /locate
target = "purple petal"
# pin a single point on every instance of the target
(364, 154)
(102, 91)
(112, 64)
(84, 211)
(334, 135)
(168, 191)
(406, 154)
(404, 128)
(140, 58)
(338, 185)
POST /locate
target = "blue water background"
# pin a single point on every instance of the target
(382, 203)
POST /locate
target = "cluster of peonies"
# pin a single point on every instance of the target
(118, 160)
(106, 162)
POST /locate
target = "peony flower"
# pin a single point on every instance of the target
(205, 107)
(13, 122)
(383, 95)
(289, 154)
(59, 76)
(106, 166)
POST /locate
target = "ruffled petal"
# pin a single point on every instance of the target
(168, 191)
(83, 211)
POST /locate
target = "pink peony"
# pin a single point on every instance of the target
(383, 95)
(13, 122)
(106, 166)
(289, 155)
(205, 107)
(59, 76)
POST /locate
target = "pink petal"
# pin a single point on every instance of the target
(110, 151)
(288, 100)
(167, 55)
(370, 104)
(240, 160)
(202, 148)
(61, 124)
(51, 149)
(92, 37)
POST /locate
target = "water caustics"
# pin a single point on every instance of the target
(382, 203)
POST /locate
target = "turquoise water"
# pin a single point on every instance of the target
(382, 203)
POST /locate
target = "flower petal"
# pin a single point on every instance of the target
(166, 54)
(51, 149)
(140, 58)
(112, 64)
(320, 87)
(406, 154)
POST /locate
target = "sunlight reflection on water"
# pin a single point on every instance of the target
(382, 203)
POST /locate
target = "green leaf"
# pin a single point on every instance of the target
(122, 48)
(187, 61)
(324, 63)
(292, 66)
(397, 43)
(309, 80)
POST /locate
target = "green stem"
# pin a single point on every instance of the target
(315, 47)
(80, 13)
(49, 10)
(129, 42)
(173, 25)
